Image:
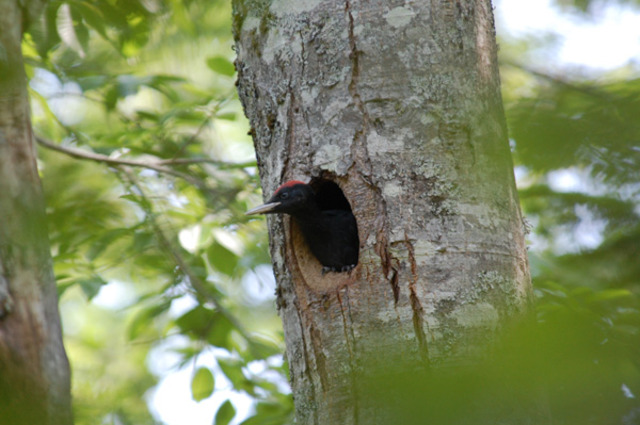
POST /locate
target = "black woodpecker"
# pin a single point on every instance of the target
(332, 234)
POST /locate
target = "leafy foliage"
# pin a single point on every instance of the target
(148, 170)
(576, 146)
(590, 7)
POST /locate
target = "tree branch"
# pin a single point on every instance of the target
(156, 165)
(582, 88)
(220, 164)
(92, 156)
(196, 283)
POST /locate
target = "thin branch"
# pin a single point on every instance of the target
(196, 283)
(157, 165)
(220, 164)
(91, 156)
(558, 80)
(119, 162)
(204, 124)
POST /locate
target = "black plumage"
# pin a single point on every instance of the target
(331, 234)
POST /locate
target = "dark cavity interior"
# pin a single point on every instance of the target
(329, 196)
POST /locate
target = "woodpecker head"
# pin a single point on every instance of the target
(291, 198)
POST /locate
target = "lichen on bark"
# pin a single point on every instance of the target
(398, 103)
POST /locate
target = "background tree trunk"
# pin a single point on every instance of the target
(399, 104)
(34, 371)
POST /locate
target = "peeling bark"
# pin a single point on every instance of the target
(399, 104)
(34, 371)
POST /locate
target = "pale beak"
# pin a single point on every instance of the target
(263, 209)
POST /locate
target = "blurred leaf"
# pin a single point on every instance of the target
(230, 116)
(222, 259)
(104, 240)
(202, 384)
(143, 320)
(233, 371)
(611, 295)
(262, 349)
(221, 65)
(44, 31)
(197, 321)
(92, 82)
(68, 29)
(129, 84)
(225, 414)
(206, 324)
(142, 240)
(580, 124)
(219, 332)
(271, 414)
(91, 286)
(92, 14)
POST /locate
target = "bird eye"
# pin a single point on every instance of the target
(284, 195)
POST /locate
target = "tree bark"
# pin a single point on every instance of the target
(399, 104)
(34, 371)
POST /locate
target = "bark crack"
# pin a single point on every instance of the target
(387, 261)
(320, 358)
(350, 339)
(303, 65)
(354, 55)
(469, 140)
(6, 300)
(394, 285)
(381, 247)
(416, 306)
(359, 145)
(307, 369)
(355, 63)
(290, 134)
(418, 327)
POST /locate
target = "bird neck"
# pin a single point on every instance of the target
(308, 211)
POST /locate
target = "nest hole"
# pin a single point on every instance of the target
(328, 196)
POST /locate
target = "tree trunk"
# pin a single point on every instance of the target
(399, 104)
(34, 371)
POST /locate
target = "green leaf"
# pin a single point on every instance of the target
(67, 30)
(44, 31)
(196, 321)
(111, 98)
(228, 116)
(219, 332)
(62, 287)
(268, 413)
(142, 240)
(143, 319)
(92, 15)
(129, 84)
(146, 115)
(262, 349)
(222, 259)
(225, 414)
(104, 240)
(202, 384)
(91, 82)
(611, 295)
(91, 286)
(221, 65)
(233, 371)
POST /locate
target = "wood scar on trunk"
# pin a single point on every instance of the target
(416, 306)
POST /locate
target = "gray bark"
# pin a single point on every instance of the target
(34, 371)
(399, 103)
